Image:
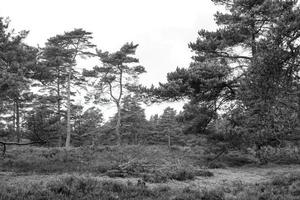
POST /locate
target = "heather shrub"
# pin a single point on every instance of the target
(284, 155)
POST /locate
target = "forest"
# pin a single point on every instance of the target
(240, 121)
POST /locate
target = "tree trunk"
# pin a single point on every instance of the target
(69, 110)
(14, 116)
(58, 113)
(18, 121)
(169, 139)
(253, 35)
(298, 108)
(118, 126)
(135, 137)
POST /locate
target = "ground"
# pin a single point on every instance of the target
(24, 167)
(222, 177)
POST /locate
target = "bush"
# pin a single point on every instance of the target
(284, 187)
(204, 173)
(178, 174)
(238, 159)
(155, 177)
(182, 175)
(217, 165)
(285, 155)
(188, 194)
(80, 188)
(285, 180)
(132, 160)
(85, 188)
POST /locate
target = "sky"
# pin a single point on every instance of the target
(162, 28)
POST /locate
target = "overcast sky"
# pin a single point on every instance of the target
(162, 28)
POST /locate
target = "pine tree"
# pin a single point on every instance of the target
(17, 64)
(165, 129)
(86, 125)
(251, 61)
(133, 119)
(63, 50)
(117, 76)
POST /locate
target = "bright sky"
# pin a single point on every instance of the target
(162, 28)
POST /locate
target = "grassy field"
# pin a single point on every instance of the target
(141, 172)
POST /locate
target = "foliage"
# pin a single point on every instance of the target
(17, 66)
(41, 123)
(117, 76)
(128, 160)
(72, 187)
(75, 43)
(133, 120)
(250, 62)
(85, 125)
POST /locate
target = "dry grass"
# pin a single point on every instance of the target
(283, 187)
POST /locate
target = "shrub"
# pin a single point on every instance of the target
(238, 159)
(155, 177)
(217, 165)
(285, 180)
(188, 194)
(284, 187)
(295, 189)
(182, 175)
(284, 155)
(84, 188)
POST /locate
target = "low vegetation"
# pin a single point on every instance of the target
(71, 187)
(151, 163)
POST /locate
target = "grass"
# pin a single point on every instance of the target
(152, 163)
(285, 187)
(122, 161)
(89, 189)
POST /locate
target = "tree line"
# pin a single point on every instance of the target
(242, 85)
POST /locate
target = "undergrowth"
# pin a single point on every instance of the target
(152, 163)
(285, 187)
(89, 189)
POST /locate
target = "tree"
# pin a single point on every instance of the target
(165, 129)
(195, 118)
(86, 124)
(63, 50)
(256, 53)
(167, 123)
(41, 124)
(133, 119)
(17, 64)
(53, 72)
(117, 76)
(206, 85)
